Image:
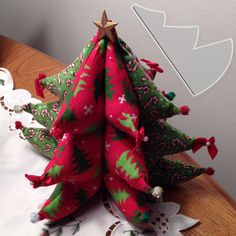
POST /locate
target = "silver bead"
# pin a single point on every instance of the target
(18, 109)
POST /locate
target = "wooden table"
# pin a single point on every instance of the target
(201, 198)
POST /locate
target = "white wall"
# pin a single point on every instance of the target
(62, 27)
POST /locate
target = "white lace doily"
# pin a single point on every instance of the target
(18, 199)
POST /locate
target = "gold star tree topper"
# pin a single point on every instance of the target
(106, 27)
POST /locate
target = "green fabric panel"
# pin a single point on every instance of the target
(82, 197)
(151, 100)
(44, 113)
(56, 191)
(164, 139)
(41, 139)
(60, 83)
(170, 172)
(53, 208)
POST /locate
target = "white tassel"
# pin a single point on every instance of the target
(157, 192)
(34, 217)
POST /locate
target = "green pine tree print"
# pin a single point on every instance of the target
(119, 60)
(60, 150)
(125, 163)
(53, 207)
(120, 196)
(128, 123)
(109, 86)
(68, 115)
(86, 67)
(56, 191)
(79, 87)
(118, 134)
(92, 128)
(129, 94)
(82, 196)
(79, 160)
(97, 172)
(102, 46)
(99, 87)
(54, 171)
(140, 217)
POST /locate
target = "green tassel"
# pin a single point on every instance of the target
(170, 96)
(146, 217)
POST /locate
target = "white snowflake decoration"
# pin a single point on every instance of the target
(107, 146)
(88, 109)
(134, 117)
(122, 99)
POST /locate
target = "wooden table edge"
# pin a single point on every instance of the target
(216, 185)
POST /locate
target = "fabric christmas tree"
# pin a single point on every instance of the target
(109, 122)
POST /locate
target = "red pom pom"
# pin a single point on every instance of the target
(39, 88)
(184, 110)
(210, 171)
(154, 66)
(18, 125)
(42, 76)
(163, 92)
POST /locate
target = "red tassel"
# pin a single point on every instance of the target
(140, 136)
(18, 125)
(210, 143)
(154, 66)
(35, 180)
(184, 110)
(210, 171)
(39, 88)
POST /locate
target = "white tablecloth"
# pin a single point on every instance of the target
(18, 199)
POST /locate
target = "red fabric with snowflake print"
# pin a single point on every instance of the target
(124, 160)
(75, 159)
(83, 109)
(121, 103)
(129, 201)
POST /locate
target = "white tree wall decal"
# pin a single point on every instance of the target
(199, 67)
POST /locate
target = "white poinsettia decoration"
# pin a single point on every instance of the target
(102, 218)
(165, 221)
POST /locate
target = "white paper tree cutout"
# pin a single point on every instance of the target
(199, 67)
